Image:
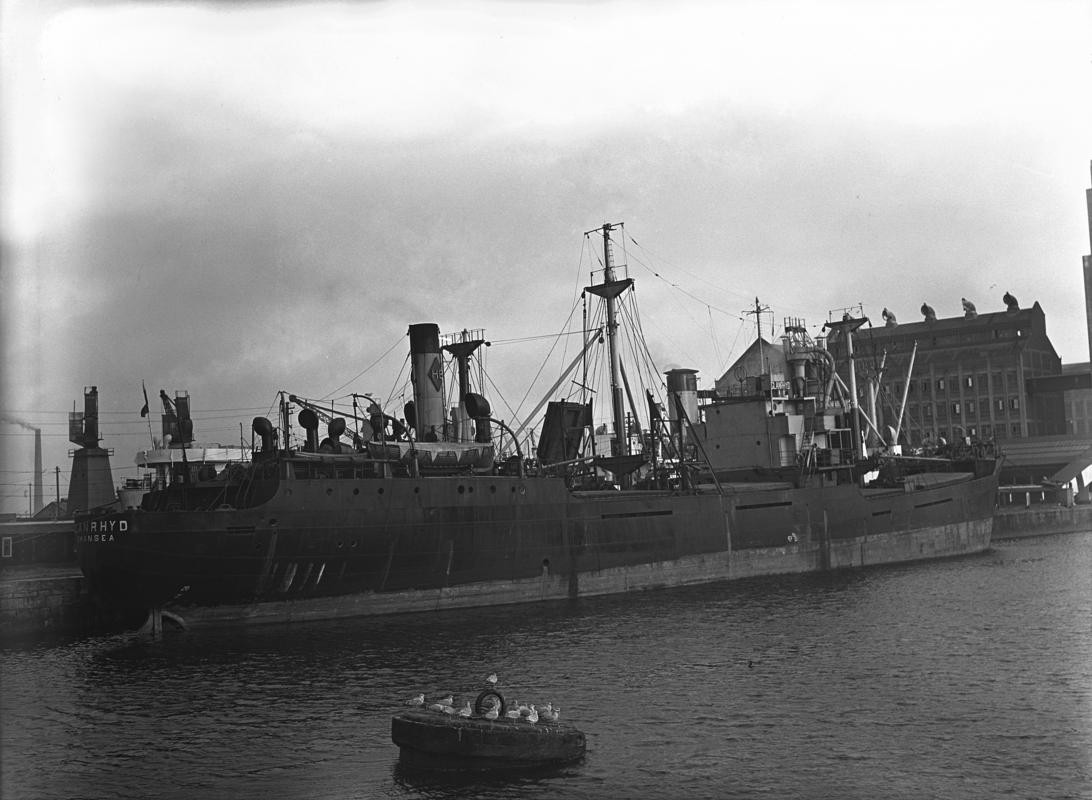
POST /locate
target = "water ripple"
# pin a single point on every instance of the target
(968, 678)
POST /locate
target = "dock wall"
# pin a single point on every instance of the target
(1041, 520)
(46, 600)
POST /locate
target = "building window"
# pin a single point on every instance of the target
(1014, 403)
(927, 410)
(968, 381)
(970, 409)
(1015, 429)
(955, 409)
(7, 547)
(940, 384)
(925, 387)
(984, 407)
(972, 431)
(1000, 405)
(998, 382)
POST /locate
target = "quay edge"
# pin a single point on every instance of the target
(37, 601)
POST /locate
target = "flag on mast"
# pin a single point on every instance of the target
(144, 410)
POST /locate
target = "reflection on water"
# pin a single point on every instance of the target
(965, 678)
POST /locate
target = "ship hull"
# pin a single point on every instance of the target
(335, 548)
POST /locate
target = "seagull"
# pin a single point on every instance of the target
(446, 701)
(465, 710)
(532, 716)
(513, 714)
(418, 700)
(492, 679)
(448, 709)
(437, 707)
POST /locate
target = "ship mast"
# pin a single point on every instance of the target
(759, 308)
(847, 326)
(609, 290)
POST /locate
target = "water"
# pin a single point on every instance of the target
(968, 678)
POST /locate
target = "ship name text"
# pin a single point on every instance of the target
(98, 531)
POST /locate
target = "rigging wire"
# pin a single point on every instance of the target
(710, 307)
(365, 370)
(539, 337)
(558, 338)
(679, 288)
(713, 338)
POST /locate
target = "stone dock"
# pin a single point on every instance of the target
(36, 600)
(1041, 520)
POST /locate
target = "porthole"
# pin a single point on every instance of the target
(493, 489)
(417, 490)
(380, 490)
(330, 491)
(462, 490)
(356, 492)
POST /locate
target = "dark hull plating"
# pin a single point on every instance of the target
(333, 547)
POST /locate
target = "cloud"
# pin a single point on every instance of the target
(235, 200)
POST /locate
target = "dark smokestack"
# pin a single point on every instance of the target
(36, 491)
(37, 502)
(427, 374)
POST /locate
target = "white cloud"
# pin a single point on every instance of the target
(234, 199)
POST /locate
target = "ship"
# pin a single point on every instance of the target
(439, 507)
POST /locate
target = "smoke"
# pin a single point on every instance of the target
(19, 422)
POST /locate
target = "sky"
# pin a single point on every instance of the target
(234, 199)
